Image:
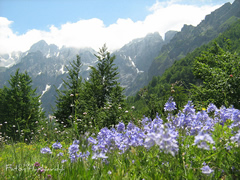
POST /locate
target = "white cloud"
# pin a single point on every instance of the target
(93, 33)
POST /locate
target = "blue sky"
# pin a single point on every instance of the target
(81, 23)
(40, 14)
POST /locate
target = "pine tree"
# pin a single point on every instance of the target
(68, 98)
(103, 90)
(20, 107)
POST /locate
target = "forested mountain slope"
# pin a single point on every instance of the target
(192, 37)
(177, 79)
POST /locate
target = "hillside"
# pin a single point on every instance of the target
(192, 37)
(180, 74)
(187, 40)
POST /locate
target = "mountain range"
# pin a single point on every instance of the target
(46, 64)
(138, 61)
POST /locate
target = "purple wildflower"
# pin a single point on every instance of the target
(92, 140)
(76, 141)
(36, 164)
(120, 127)
(63, 161)
(99, 155)
(73, 149)
(60, 154)
(189, 108)
(206, 170)
(57, 145)
(40, 170)
(211, 108)
(49, 176)
(201, 140)
(170, 105)
(236, 138)
(46, 150)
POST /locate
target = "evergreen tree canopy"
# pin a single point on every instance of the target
(66, 99)
(20, 107)
(103, 78)
(102, 89)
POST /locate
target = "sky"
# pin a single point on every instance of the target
(92, 23)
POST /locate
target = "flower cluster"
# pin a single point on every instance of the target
(57, 145)
(166, 136)
(46, 150)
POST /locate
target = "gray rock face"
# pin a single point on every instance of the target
(169, 35)
(136, 57)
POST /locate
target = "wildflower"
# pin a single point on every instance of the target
(231, 75)
(60, 154)
(36, 164)
(49, 176)
(100, 155)
(92, 140)
(76, 141)
(211, 108)
(164, 138)
(170, 105)
(71, 95)
(46, 150)
(63, 161)
(120, 127)
(202, 139)
(109, 172)
(236, 138)
(40, 170)
(73, 149)
(189, 108)
(206, 170)
(57, 145)
(85, 113)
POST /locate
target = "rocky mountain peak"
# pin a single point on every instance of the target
(44, 48)
(169, 35)
(39, 46)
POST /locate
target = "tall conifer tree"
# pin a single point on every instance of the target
(69, 96)
(20, 107)
(102, 89)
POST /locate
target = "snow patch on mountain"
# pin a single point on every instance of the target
(60, 85)
(62, 70)
(46, 89)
